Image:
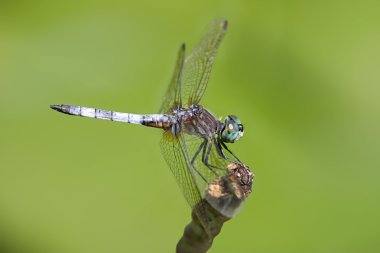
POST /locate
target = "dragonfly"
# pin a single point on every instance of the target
(194, 140)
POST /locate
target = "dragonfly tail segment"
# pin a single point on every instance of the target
(152, 120)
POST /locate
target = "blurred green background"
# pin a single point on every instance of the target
(303, 76)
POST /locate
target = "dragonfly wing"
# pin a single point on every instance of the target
(198, 64)
(203, 174)
(191, 174)
(184, 157)
(176, 156)
(172, 96)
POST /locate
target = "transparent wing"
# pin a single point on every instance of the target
(175, 155)
(184, 155)
(197, 150)
(198, 64)
(191, 174)
(172, 95)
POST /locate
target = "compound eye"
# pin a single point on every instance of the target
(240, 126)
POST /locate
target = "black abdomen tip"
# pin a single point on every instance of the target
(61, 108)
(56, 107)
(225, 24)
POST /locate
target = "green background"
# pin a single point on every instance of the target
(303, 76)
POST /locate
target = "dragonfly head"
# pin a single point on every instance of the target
(232, 129)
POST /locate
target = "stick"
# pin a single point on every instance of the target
(223, 200)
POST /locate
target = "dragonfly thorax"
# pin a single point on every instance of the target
(232, 129)
(195, 120)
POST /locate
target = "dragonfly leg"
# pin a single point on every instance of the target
(229, 151)
(197, 153)
(195, 156)
(206, 155)
(223, 155)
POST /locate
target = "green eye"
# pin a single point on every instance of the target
(233, 129)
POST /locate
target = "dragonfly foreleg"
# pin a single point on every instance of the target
(229, 151)
(222, 154)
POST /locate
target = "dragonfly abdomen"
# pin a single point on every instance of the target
(153, 120)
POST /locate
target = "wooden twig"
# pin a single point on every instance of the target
(223, 200)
